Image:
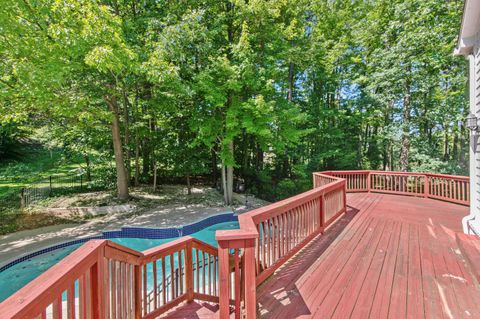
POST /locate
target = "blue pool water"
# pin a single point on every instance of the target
(17, 276)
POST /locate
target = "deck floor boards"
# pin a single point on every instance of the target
(398, 257)
(389, 256)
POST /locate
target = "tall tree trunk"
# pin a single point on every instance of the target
(155, 176)
(246, 155)
(445, 143)
(122, 182)
(462, 161)
(405, 146)
(259, 160)
(387, 156)
(126, 135)
(227, 170)
(137, 137)
(137, 158)
(214, 168)
(224, 182)
(228, 190)
(365, 138)
(360, 152)
(189, 186)
(146, 154)
(391, 164)
(455, 145)
(89, 171)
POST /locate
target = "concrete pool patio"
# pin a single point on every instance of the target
(20, 243)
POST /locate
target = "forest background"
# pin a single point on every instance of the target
(255, 94)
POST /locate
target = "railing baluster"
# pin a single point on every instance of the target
(155, 283)
(164, 283)
(57, 308)
(145, 288)
(82, 297)
(172, 276)
(237, 283)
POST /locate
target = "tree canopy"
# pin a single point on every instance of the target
(262, 91)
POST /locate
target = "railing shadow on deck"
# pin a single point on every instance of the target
(289, 300)
(194, 310)
(270, 236)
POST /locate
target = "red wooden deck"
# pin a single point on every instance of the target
(390, 256)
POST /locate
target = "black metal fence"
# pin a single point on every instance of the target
(52, 185)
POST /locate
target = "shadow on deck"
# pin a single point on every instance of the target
(399, 257)
(389, 256)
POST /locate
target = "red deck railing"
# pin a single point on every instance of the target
(451, 188)
(270, 235)
(102, 279)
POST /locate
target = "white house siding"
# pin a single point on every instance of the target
(474, 79)
(468, 45)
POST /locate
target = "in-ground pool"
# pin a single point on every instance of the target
(16, 276)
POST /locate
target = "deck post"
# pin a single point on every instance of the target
(368, 181)
(189, 271)
(426, 191)
(98, 292)
(138, 292)
(224, 279)
(322, 213)
(250, 287)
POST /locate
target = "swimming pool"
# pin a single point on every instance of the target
(19, 274)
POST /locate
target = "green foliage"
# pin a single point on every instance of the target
(10, 134)
(275, 89)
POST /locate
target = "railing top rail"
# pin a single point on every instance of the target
(166, 249)
(364, 172)
(174, 246)
(397, 173)
(248, 220)
(291, 202)
(204, 246)
(36, 296)
(327, 173)
(124, 249)
(457, 177)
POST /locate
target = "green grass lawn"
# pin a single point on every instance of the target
(35, 163)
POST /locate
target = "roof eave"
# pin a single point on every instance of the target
(470, 27)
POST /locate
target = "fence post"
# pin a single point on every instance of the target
(81, 181)
(50, 179)
(426, 188)
(22, 198)
(189, 271)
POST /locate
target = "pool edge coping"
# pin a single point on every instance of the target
(21, 258)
